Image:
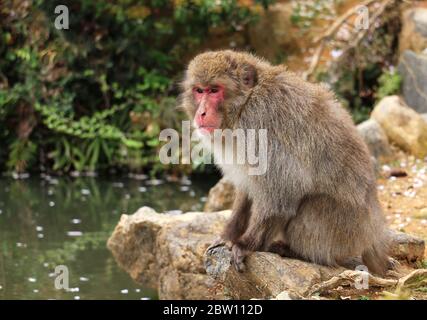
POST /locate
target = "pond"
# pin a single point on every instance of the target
(49, 221)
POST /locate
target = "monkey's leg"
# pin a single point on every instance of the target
(238, 222)
(283, 250)
(332, 232)
(257, 237)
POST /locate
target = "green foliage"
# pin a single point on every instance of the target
(388, 84)
(96, 96)
(22, 154)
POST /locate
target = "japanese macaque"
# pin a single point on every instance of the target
(317, 200)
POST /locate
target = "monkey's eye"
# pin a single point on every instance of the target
(198, 90)
(214, 90)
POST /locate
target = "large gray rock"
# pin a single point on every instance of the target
(402, 125)
(413, 68)
(414, 30)
(376, 139)
(167, 253)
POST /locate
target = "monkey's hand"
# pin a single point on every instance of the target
(238, 257)
(219, 242)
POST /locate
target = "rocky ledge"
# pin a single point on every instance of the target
(167, 252)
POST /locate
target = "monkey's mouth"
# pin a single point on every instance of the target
(207, 129)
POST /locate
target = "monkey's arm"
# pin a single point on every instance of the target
(239, 220)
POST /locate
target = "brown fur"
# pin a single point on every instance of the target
(319, 192)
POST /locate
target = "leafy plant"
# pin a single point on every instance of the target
(99, 93)
(388, 84)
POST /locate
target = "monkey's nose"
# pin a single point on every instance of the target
(203, 114)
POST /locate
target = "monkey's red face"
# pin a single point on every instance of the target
(208, 100)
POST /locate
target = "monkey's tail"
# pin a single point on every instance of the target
(376, 257)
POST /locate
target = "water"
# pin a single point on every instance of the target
(46, 222)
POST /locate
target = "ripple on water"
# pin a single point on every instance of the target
(74, 233)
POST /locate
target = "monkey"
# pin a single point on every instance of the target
(317, 200)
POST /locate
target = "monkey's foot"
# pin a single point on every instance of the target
(238, 258)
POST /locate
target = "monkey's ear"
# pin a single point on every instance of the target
(249, 75)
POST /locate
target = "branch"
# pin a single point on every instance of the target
(331, 32)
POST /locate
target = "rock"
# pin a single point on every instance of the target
(167, 253)
(376, 139)
(402, 125)
(422, 214)
(220, 197)
(414, 30)
(267, 274)
(284, 295)
(407, 248)
(413, 68)
(275, 28)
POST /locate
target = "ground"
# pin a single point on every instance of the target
(404, 199)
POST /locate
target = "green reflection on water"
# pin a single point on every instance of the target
(45, 222)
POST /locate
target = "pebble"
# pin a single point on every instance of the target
(398, 172)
